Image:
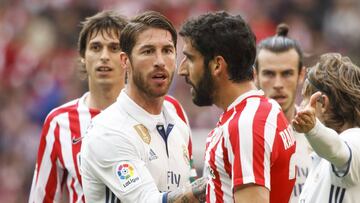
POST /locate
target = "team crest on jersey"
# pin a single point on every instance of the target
(143, 133)
(128, 176)
(186, 154)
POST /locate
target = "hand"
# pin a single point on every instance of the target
(305, 119)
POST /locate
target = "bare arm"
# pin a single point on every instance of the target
(252, 193)
(193, 193)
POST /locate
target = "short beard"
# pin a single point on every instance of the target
(205, 89)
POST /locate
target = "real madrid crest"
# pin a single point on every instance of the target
(186, 154)
(143, 133)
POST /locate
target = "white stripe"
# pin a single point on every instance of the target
(226, 182)
(269, 136)
(246, 139)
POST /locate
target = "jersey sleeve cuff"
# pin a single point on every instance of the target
(343, 171)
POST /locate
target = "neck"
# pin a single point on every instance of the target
(229, 91)
(152, 105)
(102, 97)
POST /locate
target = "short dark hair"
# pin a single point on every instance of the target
(280, 43)
(105, 21)
(223, 34)
(142, 22)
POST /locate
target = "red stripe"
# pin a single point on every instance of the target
(50, 187)
(208, 193)
(227, 164)
(217, 182)
(44, 133)
(234, 137)
(75, 133)
(259, 141)
(179, 109)
(94, 112)
(74, 197)
(190, 148)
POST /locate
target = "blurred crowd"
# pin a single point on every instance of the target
(39, 60)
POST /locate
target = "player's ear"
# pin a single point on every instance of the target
(218, 66)
(124, 60)
(325, 102)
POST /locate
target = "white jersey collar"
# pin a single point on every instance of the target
(139, 114)
(244, 96)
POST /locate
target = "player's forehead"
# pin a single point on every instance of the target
(108, 34)
(154, 37)
(278, 61)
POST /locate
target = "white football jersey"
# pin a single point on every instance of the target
(303, 165)
(325, 183)
(133, 156)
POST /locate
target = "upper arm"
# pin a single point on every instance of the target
(251, 193)
(45, 178)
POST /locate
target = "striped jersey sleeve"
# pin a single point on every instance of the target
(58, 154)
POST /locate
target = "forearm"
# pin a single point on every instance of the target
(328, 145)
(193, 193)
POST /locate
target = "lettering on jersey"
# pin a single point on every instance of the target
(173, 178)
(152, 155)
(143, 133)
(301, 174)
(128, 176)
(186, 154)
(287, 137)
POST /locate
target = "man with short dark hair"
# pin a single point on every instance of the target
(249, 154)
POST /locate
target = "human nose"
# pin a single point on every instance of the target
(104, 57)
(278, 83)
(159, 61)
(182, 68)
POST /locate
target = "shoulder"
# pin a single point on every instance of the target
(174, 105)
(61, 110)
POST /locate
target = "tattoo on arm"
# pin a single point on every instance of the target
(197, 190)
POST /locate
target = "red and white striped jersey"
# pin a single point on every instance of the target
(59, 151)
(58, 155)
(252, 143)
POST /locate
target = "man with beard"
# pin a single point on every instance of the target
(137, 149)
(279, 71)
(249, 154)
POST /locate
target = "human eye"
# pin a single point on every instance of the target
(268, 74)
(147, 51)
(95, 47)
(168, 50)
(115, 47)
(288, 73)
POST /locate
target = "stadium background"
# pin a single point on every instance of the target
(38, 61)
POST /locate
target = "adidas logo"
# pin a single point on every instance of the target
(152, 155)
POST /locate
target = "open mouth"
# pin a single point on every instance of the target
(279, 98)
(103, 69)
(159, 76)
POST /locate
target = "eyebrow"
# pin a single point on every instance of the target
(187, 54)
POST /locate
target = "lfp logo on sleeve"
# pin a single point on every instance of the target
(128, 176)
